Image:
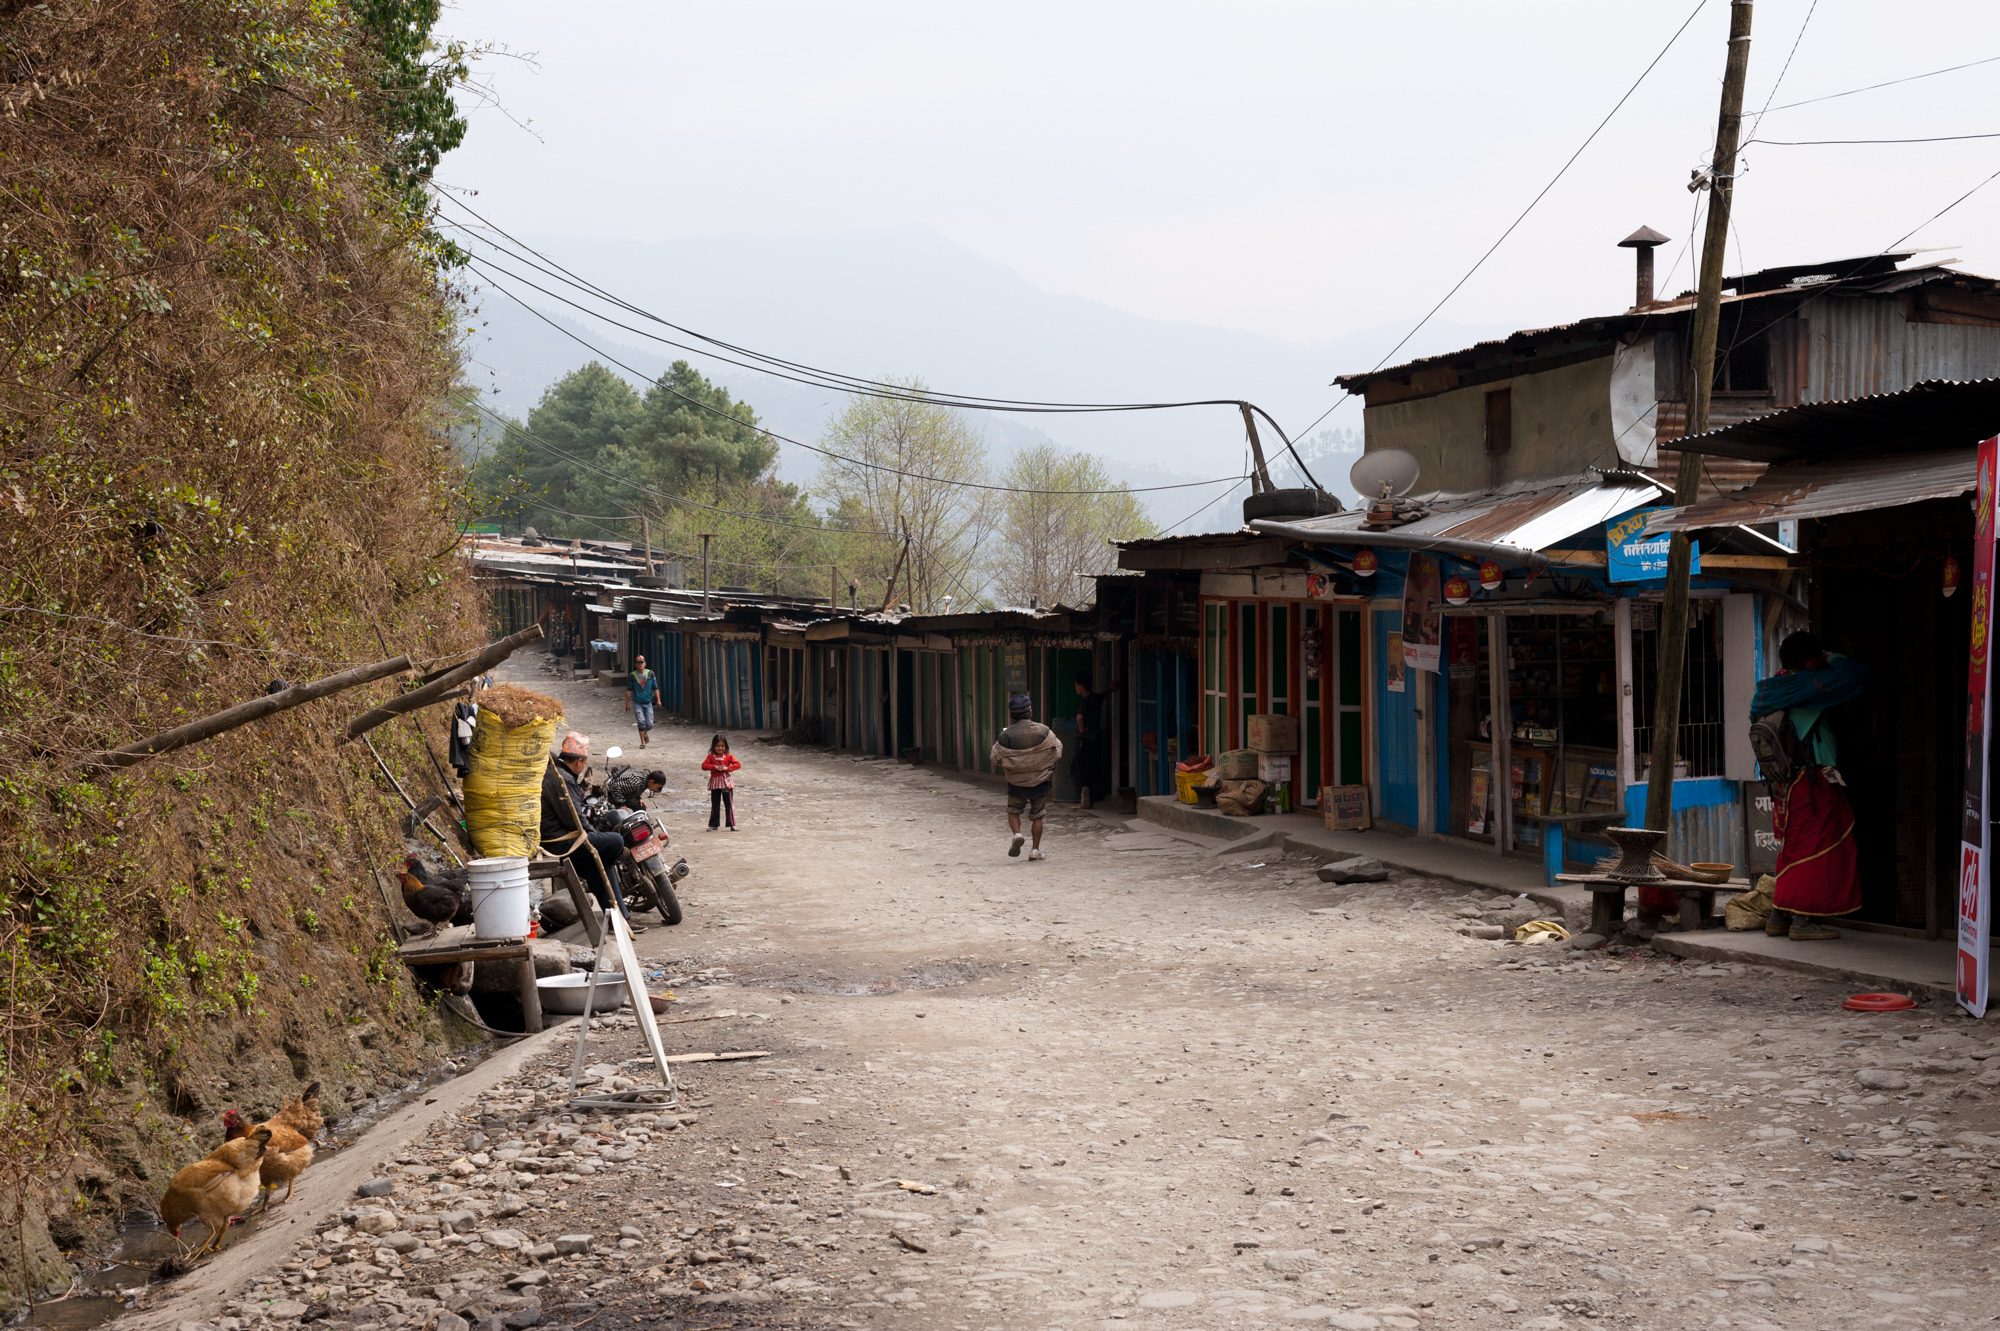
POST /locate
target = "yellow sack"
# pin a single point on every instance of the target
(503, 784)
(1749, 910)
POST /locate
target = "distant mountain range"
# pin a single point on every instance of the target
(909, 302)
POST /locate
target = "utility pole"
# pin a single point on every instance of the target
(833, 589)
(1707, 323)
(646, 535)
(704, 570)
(889, 596)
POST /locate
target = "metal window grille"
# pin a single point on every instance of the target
(1698, 750)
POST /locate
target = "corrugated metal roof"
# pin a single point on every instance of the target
(1820, 489)
(1517, 519)
(1930, 415)
(1795, 280)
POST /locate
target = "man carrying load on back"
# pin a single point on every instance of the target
(1026, 753)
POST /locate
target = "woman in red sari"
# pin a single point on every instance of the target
(1818, 870)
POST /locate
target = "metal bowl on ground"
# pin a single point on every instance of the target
(564, 994)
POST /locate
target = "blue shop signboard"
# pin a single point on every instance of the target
(1632, 554)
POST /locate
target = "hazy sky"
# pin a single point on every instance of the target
(1301, 170)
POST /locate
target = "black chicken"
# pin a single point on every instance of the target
(436, 896)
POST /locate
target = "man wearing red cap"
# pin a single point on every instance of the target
(561, 823)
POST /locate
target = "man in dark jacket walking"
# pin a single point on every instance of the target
(1026, 753)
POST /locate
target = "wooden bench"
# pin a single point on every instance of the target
(1607, 899)
(457, 944)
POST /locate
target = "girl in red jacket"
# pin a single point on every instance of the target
(722, 767)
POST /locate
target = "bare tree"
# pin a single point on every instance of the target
(1053, 544)
(915, 455)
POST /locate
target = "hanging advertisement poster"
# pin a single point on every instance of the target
(1423, 614)
(1975, 868)
(1395, 676)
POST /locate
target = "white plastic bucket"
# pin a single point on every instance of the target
(501, 897)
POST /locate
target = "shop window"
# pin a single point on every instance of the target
(1743, 357)
(1699, 750)
(1214, 675)
(1246, 678)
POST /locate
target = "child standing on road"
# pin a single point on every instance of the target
(722, 767)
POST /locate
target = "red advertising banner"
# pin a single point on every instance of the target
(1975, 870)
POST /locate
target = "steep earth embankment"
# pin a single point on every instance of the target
(225, 346)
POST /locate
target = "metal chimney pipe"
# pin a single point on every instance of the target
(1643, 241)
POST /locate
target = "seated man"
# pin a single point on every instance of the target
(561, 822)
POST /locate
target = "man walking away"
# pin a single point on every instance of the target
(1026, 754)
(645, 688)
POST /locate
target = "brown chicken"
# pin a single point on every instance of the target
(291, 1131)
(435, 896)
(216, 1189)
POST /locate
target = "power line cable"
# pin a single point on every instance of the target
(1890, 83)
(829, 453)
(1784, 68)
(1523, 216)
(1826, 143)
(903, 394)
(556, 270)
(831, 378)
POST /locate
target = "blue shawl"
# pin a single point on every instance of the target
(1839, 682)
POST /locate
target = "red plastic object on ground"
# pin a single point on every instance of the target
(1879, 1003)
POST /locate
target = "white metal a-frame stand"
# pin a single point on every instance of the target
(663, 1096)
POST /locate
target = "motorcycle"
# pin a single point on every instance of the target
(646, 877)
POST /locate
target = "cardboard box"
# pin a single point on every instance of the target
(1273, 771)
(1345, 808)
(1271, 733)
(1236, 765)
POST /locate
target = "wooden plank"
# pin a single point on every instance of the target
(735, 1056)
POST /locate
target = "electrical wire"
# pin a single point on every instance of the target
(1169, 531)
(1826, 143)
(832, 379)
(829, 453)
(1541, 194)
(1929, 74)
(1785, 68)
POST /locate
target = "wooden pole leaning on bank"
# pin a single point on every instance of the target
(242, 714)
(435, 687)
(1707, 323)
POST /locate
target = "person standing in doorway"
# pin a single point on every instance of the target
(1091, 766)
(1818, 868)
(722, 767)
(644, 687)
(1026, 753)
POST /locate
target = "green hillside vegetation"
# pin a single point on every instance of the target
(226, 344)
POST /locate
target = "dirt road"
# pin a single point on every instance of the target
(1139, 1086)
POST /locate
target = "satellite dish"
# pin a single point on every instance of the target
(1386, 473)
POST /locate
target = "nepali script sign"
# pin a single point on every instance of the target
(1975, 869)
(1632, 554)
